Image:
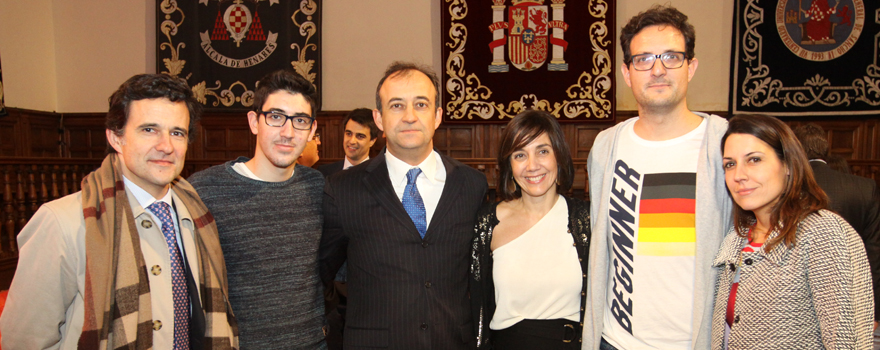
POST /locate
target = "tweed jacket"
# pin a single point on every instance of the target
(45, 307)
(815, 294)
(481, 283)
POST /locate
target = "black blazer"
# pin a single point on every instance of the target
(857, 200)
(331, 168)
(405, 292)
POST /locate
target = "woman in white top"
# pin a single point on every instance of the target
(528, 270)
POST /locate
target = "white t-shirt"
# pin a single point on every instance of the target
(650, 294)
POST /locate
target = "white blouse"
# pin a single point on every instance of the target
(537, 275)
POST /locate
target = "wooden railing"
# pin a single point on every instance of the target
(27, 183)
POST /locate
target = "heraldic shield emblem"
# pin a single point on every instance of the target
(535, 31)
(237, 20)
(222, 47)
(528, 36)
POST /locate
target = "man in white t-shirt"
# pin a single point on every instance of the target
(659, 204)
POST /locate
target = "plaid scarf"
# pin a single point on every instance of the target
(117, 300)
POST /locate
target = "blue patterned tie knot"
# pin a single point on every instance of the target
(162, 211)
(412, 202)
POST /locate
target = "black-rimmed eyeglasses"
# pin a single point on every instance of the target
(300, 121)
(671, 60)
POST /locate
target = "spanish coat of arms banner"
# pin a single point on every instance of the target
(806, 57)
(504, 56)
(222, 47)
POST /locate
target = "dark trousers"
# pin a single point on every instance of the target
(335, 304)
(605, 346)
(539, 334)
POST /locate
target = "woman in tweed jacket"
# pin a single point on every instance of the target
(792, 274)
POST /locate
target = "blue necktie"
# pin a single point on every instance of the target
(162, 211)
(412, 201)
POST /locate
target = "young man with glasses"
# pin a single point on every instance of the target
(656, 224)
(268, 214)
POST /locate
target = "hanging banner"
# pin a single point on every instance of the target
(554, 56)
(223, 47)
(806, 58)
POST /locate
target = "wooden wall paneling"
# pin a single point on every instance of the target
(225, 137)
(492, 139)
(10, 134)
(851, 138)
(461, 141)
(44, 134)
(845, 138)
(84, 135)
(331, 131)
(872, 129)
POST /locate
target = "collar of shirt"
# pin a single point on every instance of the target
(347, 163)
(818, 160)
(432, 169)
(144, 198)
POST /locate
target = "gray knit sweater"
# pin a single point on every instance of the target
(269, 232)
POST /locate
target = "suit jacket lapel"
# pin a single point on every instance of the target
(379, 185)
(450, 194)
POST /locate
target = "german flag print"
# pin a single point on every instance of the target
(666, 215)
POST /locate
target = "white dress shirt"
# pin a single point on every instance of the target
(145, 200)
(348, 164)
(430, 182)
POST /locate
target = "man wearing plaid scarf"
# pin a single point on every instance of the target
(133, 260)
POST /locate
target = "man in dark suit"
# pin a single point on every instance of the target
(404, 220)
(855, 198)
(360, 134)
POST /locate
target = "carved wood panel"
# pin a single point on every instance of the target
(9, 134)
(84, 136)
(44, 134)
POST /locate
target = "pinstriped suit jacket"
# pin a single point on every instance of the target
(405, 292)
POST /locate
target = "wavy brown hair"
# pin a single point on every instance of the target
(523, 129)
(801, 195)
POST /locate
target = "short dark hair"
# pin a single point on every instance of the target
(812, 138)
(406, 68)
(363, 116)
(800, 196)
(662, 16)
(285, 80)
(524, 128)
(838, 162)
(150, 86)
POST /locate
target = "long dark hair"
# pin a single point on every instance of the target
(801, 195)
(523, 129)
